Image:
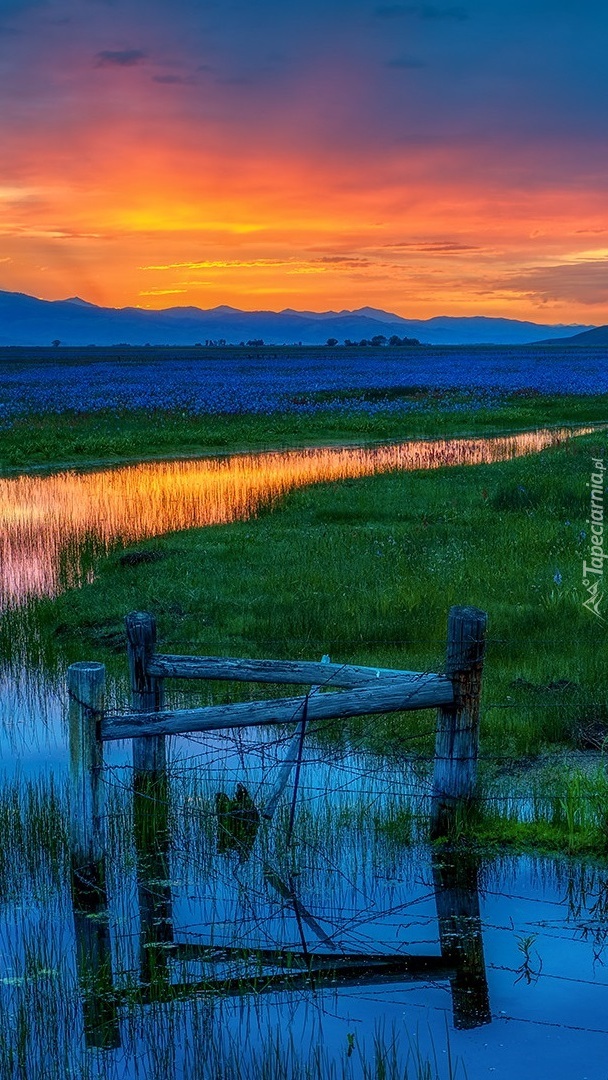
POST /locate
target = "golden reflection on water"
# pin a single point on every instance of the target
(46, 521)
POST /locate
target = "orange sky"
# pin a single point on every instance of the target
(425, 162)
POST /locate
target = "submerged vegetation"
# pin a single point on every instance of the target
(363, 569)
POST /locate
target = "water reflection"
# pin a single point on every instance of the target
(47, 522)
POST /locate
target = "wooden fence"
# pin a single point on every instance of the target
(366, 690)
(351, 691)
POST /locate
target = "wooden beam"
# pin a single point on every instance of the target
(374, 971)
(269, 671)
(418, 692)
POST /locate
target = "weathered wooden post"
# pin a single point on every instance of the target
(147, 691)
(150, 807)
(86, 688)
(455, 877)
(457, 738)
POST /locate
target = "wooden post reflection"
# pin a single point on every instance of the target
(151, 830)
(150, 806)
(455, 877)
(86, 686)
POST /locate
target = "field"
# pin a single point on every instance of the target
(364, 569)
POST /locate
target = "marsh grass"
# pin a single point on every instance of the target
(565, 808)
(50, 441)
(354, 863)
(33, 838)
(340, 859)
(366, 570)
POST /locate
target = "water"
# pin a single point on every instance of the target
(45, 521)
(200, 959)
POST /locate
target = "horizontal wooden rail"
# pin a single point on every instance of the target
(361, 973)
(188, 951)
(415, 692)
(268, 671)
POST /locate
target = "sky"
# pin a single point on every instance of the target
(428, 159)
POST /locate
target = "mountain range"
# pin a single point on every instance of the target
(28, 321)
(598, 335)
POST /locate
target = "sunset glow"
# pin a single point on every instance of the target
(424, 159)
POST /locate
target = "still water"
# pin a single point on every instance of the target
(44, 521)
(348, 953)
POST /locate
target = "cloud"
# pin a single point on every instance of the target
(433, 247)
(120, 58)
(160, 292)
(169, 80)
(347, 259)
(584, 282)
(216, 264)
(427, 12)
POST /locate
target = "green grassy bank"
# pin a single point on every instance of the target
(366, 571)
(52, 441)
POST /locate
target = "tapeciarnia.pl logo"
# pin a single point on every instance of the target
(593, 571)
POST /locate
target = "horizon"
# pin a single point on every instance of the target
(447, 160)
(329, 312)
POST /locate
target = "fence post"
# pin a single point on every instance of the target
(147, 691)
(86, 688)
(457, 738)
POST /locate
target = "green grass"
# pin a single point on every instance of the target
(48, 442)
(366, 570)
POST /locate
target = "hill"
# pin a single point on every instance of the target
(26, 320)
(596, 336)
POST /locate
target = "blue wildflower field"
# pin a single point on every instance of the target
(226, 380)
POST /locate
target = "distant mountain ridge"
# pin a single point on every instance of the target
(598, 335)
(28, 321)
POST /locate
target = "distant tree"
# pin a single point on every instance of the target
(255, 341)
(349, 344)
(364, 341)
(56, 342)
(378, 339)
(331, 341)
(396, 340)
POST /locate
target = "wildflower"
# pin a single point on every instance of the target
(557, 577)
